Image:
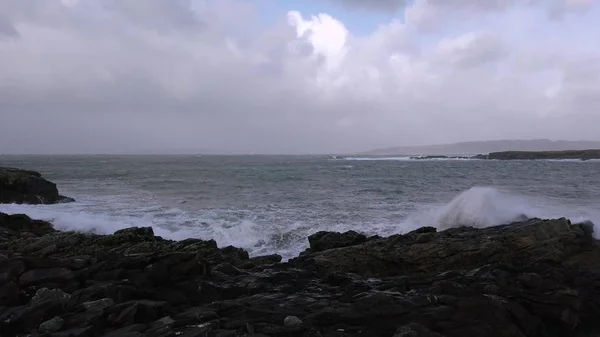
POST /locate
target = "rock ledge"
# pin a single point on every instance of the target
(27, 187)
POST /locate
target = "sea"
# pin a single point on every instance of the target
(271, 204)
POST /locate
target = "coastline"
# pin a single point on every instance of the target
(512, 280)
(544, 155)
(530, 278)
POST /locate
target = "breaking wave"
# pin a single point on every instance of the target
(487, 206)
(477, 207)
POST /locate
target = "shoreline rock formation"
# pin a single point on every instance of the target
(542, 155)
(531, 278)
(27, 187)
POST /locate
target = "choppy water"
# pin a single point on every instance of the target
(270, 204)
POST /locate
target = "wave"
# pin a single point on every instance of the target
(488, 206)
(478, 207)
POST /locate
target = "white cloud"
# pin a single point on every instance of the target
(91, 76)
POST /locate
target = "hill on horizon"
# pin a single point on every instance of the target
(485, 147)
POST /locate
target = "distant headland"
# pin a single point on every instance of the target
(548, 148)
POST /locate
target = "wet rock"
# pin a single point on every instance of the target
(16, 226)
(538, 278)
(99, 304)
(321, 241)
(425, 237)
(292, 320)
(265, 259)
(55, 296)
(132, 312)
(76, 332)
(415, 330)
(136, 231)
(45, 276)
(27, 187)
(53, 325)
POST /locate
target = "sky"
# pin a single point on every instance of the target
(293, 76)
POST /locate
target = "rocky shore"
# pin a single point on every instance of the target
(532, 278)
(542, 155)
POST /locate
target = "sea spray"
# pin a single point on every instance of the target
(476, 207)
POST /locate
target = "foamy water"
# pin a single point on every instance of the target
(271, 204)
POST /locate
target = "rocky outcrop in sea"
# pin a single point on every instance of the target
(27, 187)
(531, 278)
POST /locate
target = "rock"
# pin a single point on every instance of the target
(99, 304)
(43, 276)
(55, 296)
(587, 227)
(415, 330)
(76, 332)
(292, 320)
(425, 237)
(21, 226)
(531, 278)
(265, 259)
(137, 231)
(53, 325)
(321, 241)
(27, 187)
(132, 312)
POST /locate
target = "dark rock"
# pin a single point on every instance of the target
(537, 155)
(266, 259)
(132, 312)
(99, 304)
(53, 325)
(321, 241)
(292, 320)
(45, 276)
(136, 231)
(76, 332)
(415, 330)
(129, 331)
(27, 187)
(56, 296)
(538, 278)
(20, 225)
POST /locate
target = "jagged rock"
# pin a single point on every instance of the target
(44, 276)
(292, 320)
(27, 187)
(321, 241)
(137, 231)
(99, 304)
(538, 278)
(53, 325)
(21, 226)
(55, 296)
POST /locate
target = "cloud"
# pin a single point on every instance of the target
(126, 76)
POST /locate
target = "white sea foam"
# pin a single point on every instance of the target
(377, 158)
(478, 207)
(487, 206)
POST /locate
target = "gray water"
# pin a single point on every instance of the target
(270, 204)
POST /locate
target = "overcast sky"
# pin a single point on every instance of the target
(282, 76)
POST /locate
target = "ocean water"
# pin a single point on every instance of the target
(270, 204)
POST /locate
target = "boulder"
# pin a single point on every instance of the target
(27, 187)
(321, 241)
